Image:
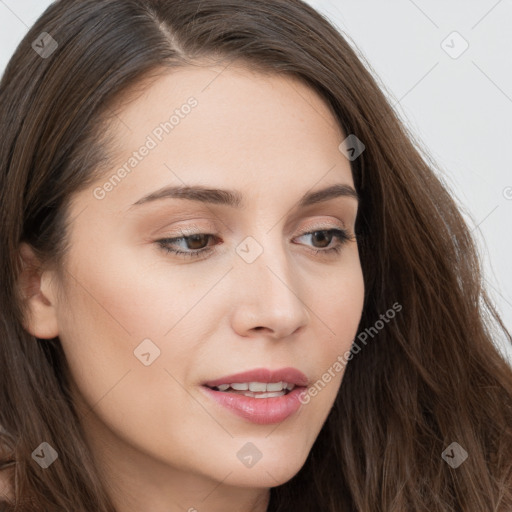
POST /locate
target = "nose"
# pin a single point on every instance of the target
(267, 297)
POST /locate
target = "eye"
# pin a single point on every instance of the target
(326, 236)
(195, 243)
(195, 240)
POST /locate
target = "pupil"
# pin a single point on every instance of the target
(196, 238)
(322, 235)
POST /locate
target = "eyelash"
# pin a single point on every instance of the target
(341, 234)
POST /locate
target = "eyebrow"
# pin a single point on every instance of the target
(233, 198)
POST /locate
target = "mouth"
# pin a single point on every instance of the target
(259, 396)
(256, 389)
(260, 380)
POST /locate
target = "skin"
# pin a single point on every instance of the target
(159, 442)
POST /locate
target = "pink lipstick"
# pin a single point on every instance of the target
(261, 396)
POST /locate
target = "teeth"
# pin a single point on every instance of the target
(269, 395)
(275, 386)
(242, 386)
(264, 395)
(259, 387)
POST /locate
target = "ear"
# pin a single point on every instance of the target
(39, 296)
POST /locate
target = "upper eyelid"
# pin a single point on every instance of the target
(309, 231)
(194, 229)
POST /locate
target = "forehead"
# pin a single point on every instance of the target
(218, 125)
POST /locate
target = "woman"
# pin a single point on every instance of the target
(230, 281)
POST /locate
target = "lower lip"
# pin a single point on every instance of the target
(263, 411)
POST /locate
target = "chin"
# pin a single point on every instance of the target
(266, 472)
(265, 477)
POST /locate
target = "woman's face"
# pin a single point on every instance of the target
(143, 329)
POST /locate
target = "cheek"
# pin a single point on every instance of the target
(338, 311)
(105, 319)
(120, 295)
(340, 306)
(116, 302)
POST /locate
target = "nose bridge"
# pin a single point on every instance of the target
(268, 262)
(268, 291)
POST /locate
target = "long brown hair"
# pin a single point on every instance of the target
(432, 376)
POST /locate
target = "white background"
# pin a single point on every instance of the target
(459, 109)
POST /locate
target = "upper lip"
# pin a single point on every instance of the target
(289, 375)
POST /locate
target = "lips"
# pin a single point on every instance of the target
(259, 407)
(289, 375)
